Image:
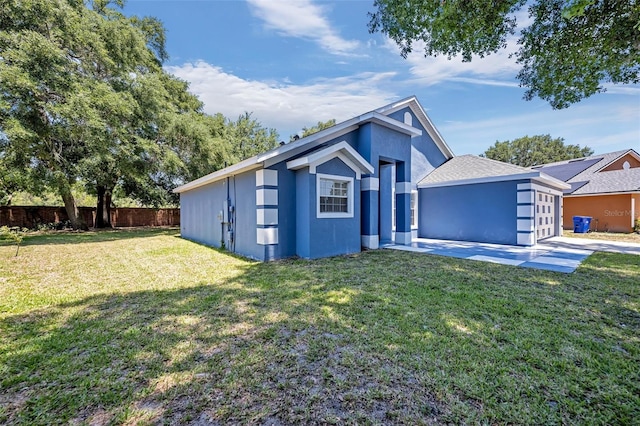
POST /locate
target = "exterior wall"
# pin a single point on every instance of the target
(609, 213)
(483, 212)
(200, 209)
(321, 237)
(379, 144)
(425, 154)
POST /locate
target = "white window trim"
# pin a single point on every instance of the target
(335, 215)
(415, 208)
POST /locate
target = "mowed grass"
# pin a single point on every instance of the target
(143, 327)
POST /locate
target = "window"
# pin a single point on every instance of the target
(335, 196)
(414, 209)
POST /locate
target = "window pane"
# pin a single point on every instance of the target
(334, 196)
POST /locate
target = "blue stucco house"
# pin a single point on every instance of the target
(374, 179)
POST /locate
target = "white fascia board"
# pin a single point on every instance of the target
(550, 180)
(600, 194)
(330, 152)
(490, 179)
(385, 121)
(241, 167)
(412, 102)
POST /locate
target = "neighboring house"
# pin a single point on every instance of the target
(472, 198)
(605, 187)
(355, 185)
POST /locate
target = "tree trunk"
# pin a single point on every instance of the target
(77, 222)
(103, 211)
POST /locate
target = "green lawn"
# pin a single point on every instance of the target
(142, 327)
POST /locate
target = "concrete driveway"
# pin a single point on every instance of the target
(559, 254)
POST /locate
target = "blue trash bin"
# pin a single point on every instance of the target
(581, 224)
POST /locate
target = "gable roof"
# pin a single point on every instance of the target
(341, 150)
(586, 177)
(296, 148)
(470, 169)
(425, 121)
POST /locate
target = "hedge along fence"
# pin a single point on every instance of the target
(123, 217)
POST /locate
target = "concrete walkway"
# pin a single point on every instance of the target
(554, 254)
(593, 245)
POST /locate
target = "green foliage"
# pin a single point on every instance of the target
(248, 138)
(315, 129)
(529, 151)
(84, 98)
(636, 227)
(567, 53)
(14, 235)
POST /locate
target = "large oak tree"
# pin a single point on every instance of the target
(568, 52)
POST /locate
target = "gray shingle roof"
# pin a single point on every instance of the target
(465, 167)
(589, 180)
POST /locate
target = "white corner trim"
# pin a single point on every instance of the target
(526, 239)
(266, 216)
(370, 184)
(403, 238)
(525, 225)
(526, 197)
(371, 242)
(266, 177)
(267, 236)
(403, 187)
(525, 211)
(266, 197)
(350, 189)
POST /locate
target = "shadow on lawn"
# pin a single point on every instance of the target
(376, 337)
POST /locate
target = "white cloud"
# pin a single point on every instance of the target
(602, 129)
(285, 106)
(495, 69)
(302, 19)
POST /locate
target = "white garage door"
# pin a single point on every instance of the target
(545, 212)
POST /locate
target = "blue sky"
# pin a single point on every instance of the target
(293, 63)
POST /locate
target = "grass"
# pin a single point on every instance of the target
(631, 237)
(142, 327)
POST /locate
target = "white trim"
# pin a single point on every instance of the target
(241, 167)
(268, 216)
(601, 194)
(266, 177)
(527, 225)
(526, 197)
(403, 187)
(370, 184)
(341, 150)
(633, 212)
(403, 238)
(371, 242)
(415, 214)
(423, 118)
(266, 197)
(350, 189)
(524, 186)
(526, 239)
(542, 177)
(266, 236)
(525, 211)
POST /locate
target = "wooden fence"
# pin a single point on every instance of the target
(124, 217)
